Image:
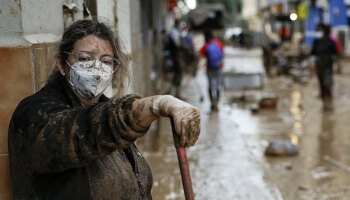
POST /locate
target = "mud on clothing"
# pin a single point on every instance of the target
(60, 149)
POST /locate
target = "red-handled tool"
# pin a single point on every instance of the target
(183, 164)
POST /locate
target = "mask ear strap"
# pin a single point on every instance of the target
(68, 64)
(64, 74)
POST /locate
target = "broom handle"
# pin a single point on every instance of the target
(183, 164)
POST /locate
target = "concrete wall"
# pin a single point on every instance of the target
(42, 16)
(124, 10)
(29, 31)
(11, 18)
(141, 63)
(16, 81)
(124, 23)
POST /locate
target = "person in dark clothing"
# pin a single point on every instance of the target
(188, 52)
(173, 46)
(69, 141)
(325, 50)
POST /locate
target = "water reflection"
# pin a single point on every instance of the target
(297, 114)
(228, 162)
(327, 135)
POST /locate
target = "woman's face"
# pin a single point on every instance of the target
(87, 49)
(96, 46)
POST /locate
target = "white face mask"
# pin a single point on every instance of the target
(89, 79)
(319, 34)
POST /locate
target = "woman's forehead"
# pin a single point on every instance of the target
(93, 44)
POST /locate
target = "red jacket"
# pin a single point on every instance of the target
(203, 50)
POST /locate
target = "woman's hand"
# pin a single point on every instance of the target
(185, 116)
(187, 124)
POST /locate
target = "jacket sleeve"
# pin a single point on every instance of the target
(56, 137)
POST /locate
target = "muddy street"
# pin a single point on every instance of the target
(271, 80)
(228, 161)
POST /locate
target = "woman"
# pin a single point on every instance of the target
(69, 141)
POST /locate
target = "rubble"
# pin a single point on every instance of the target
(268, 101)
(320, 172)
(281, 148)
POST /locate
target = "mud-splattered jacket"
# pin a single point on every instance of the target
(60, 149)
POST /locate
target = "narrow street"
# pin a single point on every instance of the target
(269, 138)
(228, 161)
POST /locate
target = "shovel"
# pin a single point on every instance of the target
(183, 164)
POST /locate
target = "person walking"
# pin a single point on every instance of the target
(324, 49)
(189, 55)
(213, 51)
(69, 141)
(174, 47)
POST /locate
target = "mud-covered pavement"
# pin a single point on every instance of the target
(228, 161)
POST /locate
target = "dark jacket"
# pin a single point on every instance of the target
(60, 149)
(324, 49)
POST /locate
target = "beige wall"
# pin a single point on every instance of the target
(20, 22)
(24, 69)
(16, 82)
(5, 186)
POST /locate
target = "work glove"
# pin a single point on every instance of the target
(186, 117)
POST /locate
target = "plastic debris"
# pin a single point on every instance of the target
(281, 148)
(268, 101)
(320, 173)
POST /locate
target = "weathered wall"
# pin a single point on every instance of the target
(29, 31)
(142, 33)
(138, 64)
(16, 81)
(15, 66)
(123, 27)
(41, 16)
(24, 69)
(11, 18)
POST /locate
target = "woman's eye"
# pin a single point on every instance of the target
(107, 61)
(84, 57)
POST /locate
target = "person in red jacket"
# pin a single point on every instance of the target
(213, 51)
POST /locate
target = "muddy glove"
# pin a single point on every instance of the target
(186, 117)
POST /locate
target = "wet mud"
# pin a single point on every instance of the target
(228, 160)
